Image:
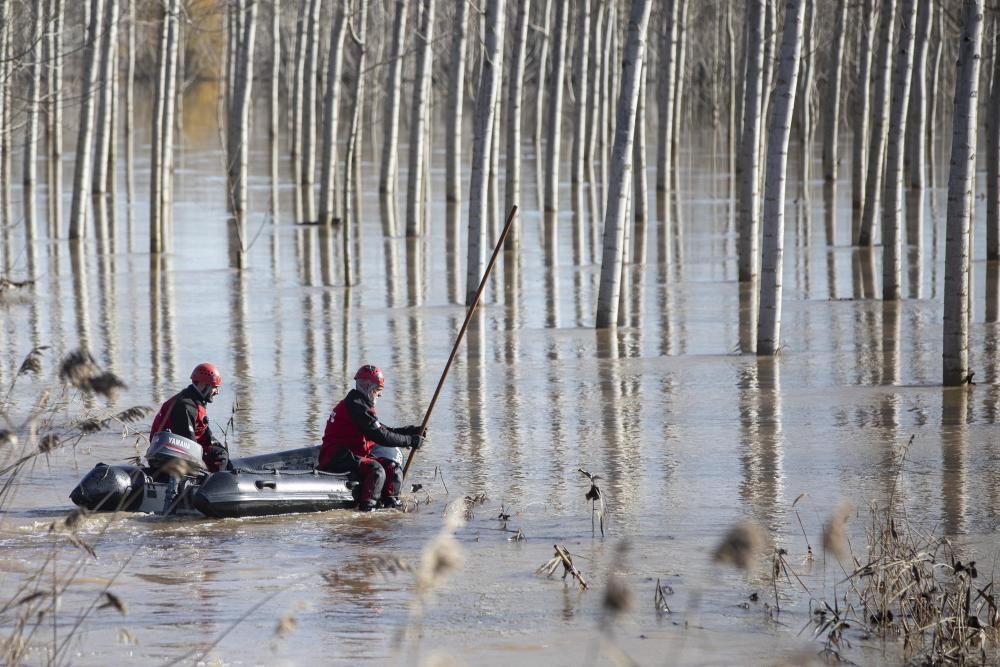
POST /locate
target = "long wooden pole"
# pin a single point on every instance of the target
(461, 332)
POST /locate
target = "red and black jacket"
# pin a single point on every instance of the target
(185, 415)
(353, 430)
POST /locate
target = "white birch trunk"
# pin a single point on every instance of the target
(892, 209)
(596, 104)
(961, 191)
(309, 108)
(29, 173)
(156, 141)
(543, 61)
(515, 97)
(640, 186)
(297, 101)
(678, 119)
(749, 205)
(130, 118)
(859, 159)
(239, 119)
(553, 142)
(456, 102)
(932, 93)
(416, 199)
(274, 107)
(83, 169)
(331, 116)
(390, 141)
(55, 114)
(880, 125)
(993, 158)
(805, 105)
(621, 168)
(668, 74)
(916, 130)
(352, 268)
(831, 126)
(769, 319)
(169, 110)
(581, 67)
(489, 92)
(102, 141)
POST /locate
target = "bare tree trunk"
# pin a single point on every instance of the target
(733, 58)
(456, 101)
(5, 170)
(640, 188)
(678, 115)
(102, 141)
(866, 40)
(29, 173)
(581, 67)
(769, 320)
(831, 128)
(274, 109)
(805, 106)
(416, 200)
(593, 130)
(606, 97)
(892, 210)
(170, 98)
(298, 102)
(156, 140)
(390, 142)
(57, 13)
(880, 123)
(668, 76)
(489, 91)
(750, 143)
(353, 157)
(515, 96)
(83, 169)
(553, 142)
(543, 58)
(916, 130)
(932, 93)
(993, 158)
(331, 115)
(961, 190)
(309, 108)
(130, 121)
(239, 120)
(621, 168)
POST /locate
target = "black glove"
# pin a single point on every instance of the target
(416, 441)
(412, 430)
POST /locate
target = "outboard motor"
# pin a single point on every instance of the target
(110, 488)
(174, 455)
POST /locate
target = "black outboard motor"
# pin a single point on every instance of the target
(177, 461)
(110, 488)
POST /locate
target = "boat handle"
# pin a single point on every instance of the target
(263, 484)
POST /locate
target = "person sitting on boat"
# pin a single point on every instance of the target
(186, 415)
(351, 435)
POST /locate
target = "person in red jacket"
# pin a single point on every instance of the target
(353, 431)
(186, 415)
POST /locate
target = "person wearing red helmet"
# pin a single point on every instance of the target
(186, 415)
(352, 433)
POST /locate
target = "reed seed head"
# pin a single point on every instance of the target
(741, 545)
(835, 531)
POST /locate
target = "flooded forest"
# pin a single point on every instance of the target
(725, 392)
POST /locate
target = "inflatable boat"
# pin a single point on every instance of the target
(175, 481)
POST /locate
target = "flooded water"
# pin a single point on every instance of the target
(688, 435)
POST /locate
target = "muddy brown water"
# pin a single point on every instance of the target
(688, 435)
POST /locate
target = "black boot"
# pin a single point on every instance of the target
(366, 505)
(389, 501)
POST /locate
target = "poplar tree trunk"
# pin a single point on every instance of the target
(932, 93)
(54, 112)
(609, 291)
(489, 92)
(83, 169)
(805, 105)
(961, 190)
(297, 101)
(543, 58)
(239, 120)
(668, 75)
(170, 97)
(993, 158)
(130, 119)
(581, 67)
(596, 105)
(859, 147)
(416, 199)
(554, 135)
(274, 107)
(880, 125)
(769, 320)
(640, 188)
(29, 173)
(102, 141)
(309, 112)
(515, 97)
(892, 209)
(456, 101)
(390, 141)
(156, 140)
(5, 171)
(750, 142)
(916, 130)
(331, 115)
(678, 115)
(353, 157)
(831, 127)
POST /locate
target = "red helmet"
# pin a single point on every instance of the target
(371, 373)
(206, 374)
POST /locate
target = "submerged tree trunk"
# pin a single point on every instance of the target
(239, 121)
(34, 102)
(309, 112)
(331, 116)
(170, 97)
(352, 159)
(866, 38)
(640, 188)
(668, 74)
(581, 67)
(892, 209)
(156, 141)
(489, 91)
(678, 115)
(916, 131)
(554, 136)
(961, 190)
(880, 126)
(993, 158)
(543, 57)
(55, 114)
(621, 167)
(456, 101)
(390, 141)
(769, 320)
(416, 197)
(831, 126)
(104, 126)
(515, 97)
(750, 143)
(83, 169)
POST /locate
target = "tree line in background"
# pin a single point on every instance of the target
(341, 77)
